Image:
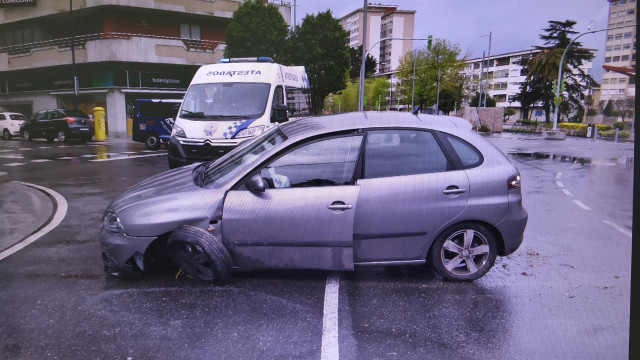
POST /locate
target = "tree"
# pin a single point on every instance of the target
(624, 107)
(491, 102)
(256, 29)
(543, 69)
(356, 62)
(347, 99)
(609, 110)
(319, 44)
(442, 56)
(509, 112)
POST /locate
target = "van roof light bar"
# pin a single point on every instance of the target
(246, 59)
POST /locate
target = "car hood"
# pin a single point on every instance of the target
(168, 183)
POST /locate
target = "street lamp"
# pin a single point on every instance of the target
(482, 75)
(364, 58)
(73, 58)
(556, 99)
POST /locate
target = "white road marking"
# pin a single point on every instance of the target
(22, 149)
(44, 147)
(559, 183)
(558, 175)
(128, 157)
(60, 213)
(89, 155)
(3, 173)
(330, 320)
(581, 205)
(566, 192)
(624, 231)
(129, 152)
(40, 160)
(11, 156)
(148, 151)
(14, 164)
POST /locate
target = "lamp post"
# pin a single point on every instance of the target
(73, 58)
(559, 83)
(482, 75)
(364, 58)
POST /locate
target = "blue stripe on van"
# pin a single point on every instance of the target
(235, 127)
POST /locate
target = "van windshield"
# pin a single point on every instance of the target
(221, 101)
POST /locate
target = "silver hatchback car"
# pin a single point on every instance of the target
(330, 192)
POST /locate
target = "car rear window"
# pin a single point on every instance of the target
(468, 154)
(17, 117)
(75, 113)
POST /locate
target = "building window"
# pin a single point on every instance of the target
(614, 3)
(616, 58)
(613, 81)
(501, 74)
(605, 81)
(621, 91)
(607, 59)
(617, 47)
(626, 46)
(476, 66)
(618, 36)
(609, 37)
(622, 2)
(609, 48)
(631, 12)
(613, 15)
(622, 81)
(500, 86)
(627, 35)
(190, 31)
(500, 98)
(624, 58)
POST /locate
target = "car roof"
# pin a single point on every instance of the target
(371, 119)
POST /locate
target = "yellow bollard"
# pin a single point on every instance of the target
(100, 124)
(129, 127)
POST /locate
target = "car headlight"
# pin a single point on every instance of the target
(177, 131)
(250, 132)
(112, 223)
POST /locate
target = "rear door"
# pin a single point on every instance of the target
(408, 191)
(304, 219)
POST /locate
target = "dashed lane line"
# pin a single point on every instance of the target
(55, 220)
(566, 192)
(558, 174)
(559, 183)
(581, 205)
(330, 319)
(624, 231)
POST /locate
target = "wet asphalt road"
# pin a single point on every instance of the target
(563, 294)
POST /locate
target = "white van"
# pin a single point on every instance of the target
(233, 100)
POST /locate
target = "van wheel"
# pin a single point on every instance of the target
(200, 254)
(152, 142)
(464, 252)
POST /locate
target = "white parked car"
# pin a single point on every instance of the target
(10, 123)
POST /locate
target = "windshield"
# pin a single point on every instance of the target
(224, 100)
(16, 117)
(218, 172)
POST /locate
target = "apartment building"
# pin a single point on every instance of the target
(618, 76)
(503, 75)
(383, 21)
(123, 50)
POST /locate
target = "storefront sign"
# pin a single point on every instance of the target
(165, 81)
(16, 3)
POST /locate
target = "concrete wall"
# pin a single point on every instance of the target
(116, 114)
(490, 117)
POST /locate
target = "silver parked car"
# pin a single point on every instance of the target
(330, 192)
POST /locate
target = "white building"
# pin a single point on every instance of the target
(618, 77)
(503, 75)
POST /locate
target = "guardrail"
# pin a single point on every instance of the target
(80, 41)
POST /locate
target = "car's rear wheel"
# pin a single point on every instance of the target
(27, 135)
(200, 254)
(62, 136)
(464, 252)
(6, 134)
(152, 142)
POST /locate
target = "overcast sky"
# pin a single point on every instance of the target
(515, 24)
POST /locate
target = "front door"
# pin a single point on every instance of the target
(304, 219)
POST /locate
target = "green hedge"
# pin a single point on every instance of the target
(580, 129)
(612, 133)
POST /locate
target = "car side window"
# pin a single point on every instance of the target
(2, 117)
(40, 116)
(468, 154)
(329, 162)
(397, 152)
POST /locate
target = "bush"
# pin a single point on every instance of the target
(612, 133)
(618, 125)
(484, 128)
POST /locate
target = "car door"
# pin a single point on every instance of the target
(38, 123)
(304, 218)
(408, 191)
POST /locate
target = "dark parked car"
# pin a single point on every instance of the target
(61, 124)
(331, 192)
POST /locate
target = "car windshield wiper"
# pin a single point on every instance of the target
(227, 116)
(192, 114)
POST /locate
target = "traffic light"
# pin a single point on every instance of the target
(429, 41)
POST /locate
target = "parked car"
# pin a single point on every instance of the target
(61, 124)
(10, 123)
(331, 192)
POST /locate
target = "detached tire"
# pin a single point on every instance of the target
(200, 254)
(464, 252)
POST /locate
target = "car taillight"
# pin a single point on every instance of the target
(70, 120)
(513, 183)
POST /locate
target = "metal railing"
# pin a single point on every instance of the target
(80, 41)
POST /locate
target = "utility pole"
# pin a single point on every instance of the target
(364, 57)
(73, 58)
(488, 61)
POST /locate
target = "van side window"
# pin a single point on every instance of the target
(298, 101)
(278, 96)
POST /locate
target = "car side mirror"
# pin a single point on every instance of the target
(255, 184)
(280, 113)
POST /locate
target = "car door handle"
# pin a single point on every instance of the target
(339, 205)
(451, 190)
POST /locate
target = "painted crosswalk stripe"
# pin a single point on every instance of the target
(566, 192)
(66, 158)
(40, 160)
(14, 164)
(2, 173)
(330, 350)
(126, 157)
(559, 183)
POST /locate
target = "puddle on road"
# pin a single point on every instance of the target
(626, 161)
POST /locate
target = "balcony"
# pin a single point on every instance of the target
(111, 46)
